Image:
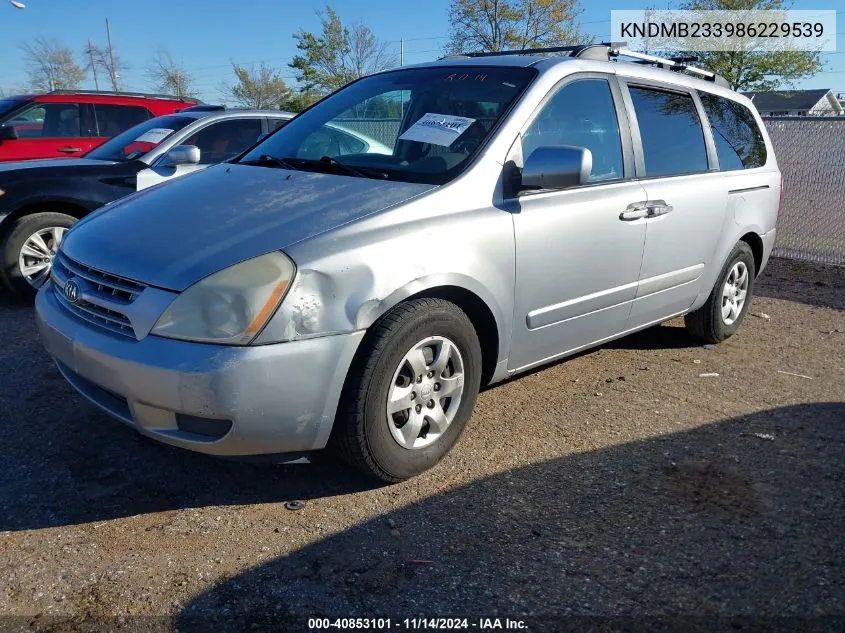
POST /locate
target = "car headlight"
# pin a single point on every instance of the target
(230, 306)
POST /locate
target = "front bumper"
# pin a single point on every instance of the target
(279, 398)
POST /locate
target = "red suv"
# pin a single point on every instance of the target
(68, 123)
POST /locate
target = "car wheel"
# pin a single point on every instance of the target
(410, 391)
(29, 248)
(728, 303)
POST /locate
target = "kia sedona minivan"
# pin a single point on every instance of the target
(311, 293)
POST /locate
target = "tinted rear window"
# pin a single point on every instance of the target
(739, 143)
(671, 132)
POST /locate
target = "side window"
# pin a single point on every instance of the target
(225, 139)
(739, 143)
(48, 120)
(671, 132)
(275, 124)
(111, 120)
(581, 114)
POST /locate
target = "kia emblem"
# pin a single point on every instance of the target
(72, 291)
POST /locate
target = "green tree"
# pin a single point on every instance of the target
(51, 66)
(338, 54)
(755, 71)
(497, 25)
(261, 88)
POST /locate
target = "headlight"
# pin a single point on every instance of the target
(230, 306)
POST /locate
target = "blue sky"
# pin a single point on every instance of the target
(208, 35)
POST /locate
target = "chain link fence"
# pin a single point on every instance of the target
(811, 155)
(384, 131)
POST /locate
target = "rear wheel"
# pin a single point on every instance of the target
(410, 391)
(728, 302)
(28, 250)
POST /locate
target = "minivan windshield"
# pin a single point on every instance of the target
(414, 124)
(138, 140)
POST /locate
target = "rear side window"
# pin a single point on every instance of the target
(739, 143)
(111, 120)
(581, 114)
(671, 132)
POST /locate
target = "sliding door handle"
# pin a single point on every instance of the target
(659, 207)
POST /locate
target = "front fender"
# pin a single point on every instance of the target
(347, 281)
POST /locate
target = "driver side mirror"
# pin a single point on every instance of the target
(8, 133)
(183, 155)
(556, 167)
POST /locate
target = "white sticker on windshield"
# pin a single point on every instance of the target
(156, 135)
(437, 129)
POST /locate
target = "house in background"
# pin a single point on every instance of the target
(822, 102)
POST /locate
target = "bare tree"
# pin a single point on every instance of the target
(98, 60)
(496, 25)
(338, 54)
(261, 88)
(170, 76)
(51, 66)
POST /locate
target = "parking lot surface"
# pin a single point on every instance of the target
(650, 477)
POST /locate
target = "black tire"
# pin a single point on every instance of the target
(361, 435)
(707, 323)
(12, 242)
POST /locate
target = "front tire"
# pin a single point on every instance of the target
(28, 250)
(720, 317)
(410, 390)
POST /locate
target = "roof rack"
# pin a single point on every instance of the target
(147, 95)
(611, 51)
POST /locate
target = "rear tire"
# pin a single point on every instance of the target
(393, 447)
(49, 229)
(720, 317)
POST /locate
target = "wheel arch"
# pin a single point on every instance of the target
(484, 313)
(50, 205)
(754, 241)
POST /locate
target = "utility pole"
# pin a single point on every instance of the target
(112, 69)
(93, 65)
(402, 52)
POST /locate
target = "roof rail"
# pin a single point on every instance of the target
(611, 51)
(204, 107)
(119, 93)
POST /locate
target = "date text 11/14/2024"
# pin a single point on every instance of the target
(414, 624)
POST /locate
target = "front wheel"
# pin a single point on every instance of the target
(29, 248)
(720, 317)
(410, 391)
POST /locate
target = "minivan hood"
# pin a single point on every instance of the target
(52, 162)
(173, 235)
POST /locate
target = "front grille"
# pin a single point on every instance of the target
(104, 297)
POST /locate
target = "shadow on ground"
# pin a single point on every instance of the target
(741, 517)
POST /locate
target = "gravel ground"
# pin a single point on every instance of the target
(618, 483)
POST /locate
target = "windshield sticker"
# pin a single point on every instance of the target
(156, 135)
(437, 129)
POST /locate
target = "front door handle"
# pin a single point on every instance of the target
(634, 211)
(69, 150)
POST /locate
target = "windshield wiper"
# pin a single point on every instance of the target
(267, 160)
(336, 165)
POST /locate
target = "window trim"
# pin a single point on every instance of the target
(516, 158)
(647, 84)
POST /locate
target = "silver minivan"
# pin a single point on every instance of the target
(314, 293)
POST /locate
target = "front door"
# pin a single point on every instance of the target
(49, 130)
(577, 259)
